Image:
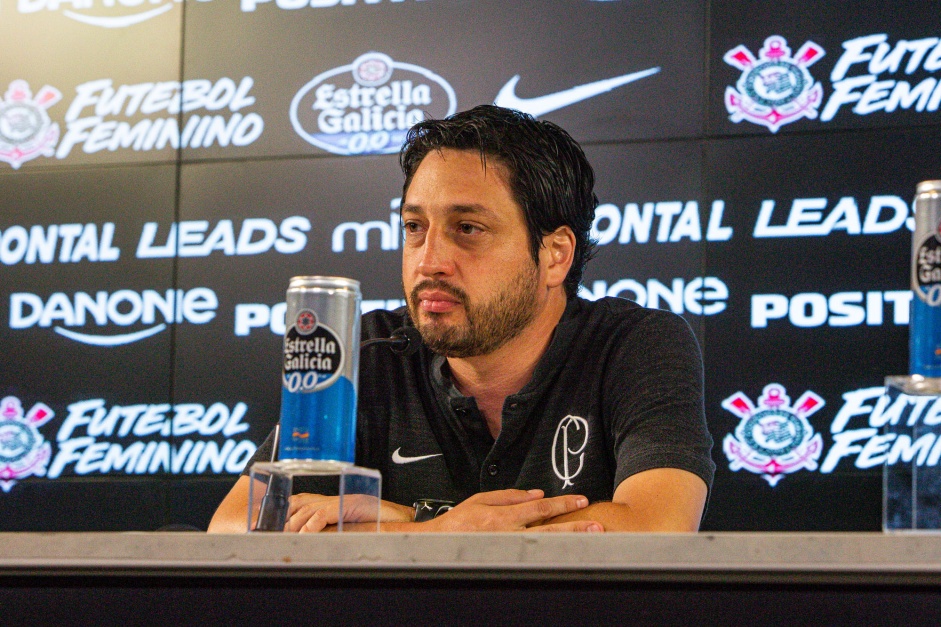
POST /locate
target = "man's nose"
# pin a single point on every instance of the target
(436, 258)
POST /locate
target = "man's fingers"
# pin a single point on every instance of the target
(297, 501)
(313, 517)
(316, 523)
(577, 526)
(505, 497)
(356, 508)
(544, 509)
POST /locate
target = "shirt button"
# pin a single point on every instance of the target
(493, 470)
(460, 411)
(513, 406)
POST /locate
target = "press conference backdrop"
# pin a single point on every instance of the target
(755, 166)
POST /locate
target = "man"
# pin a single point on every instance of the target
(527, 406)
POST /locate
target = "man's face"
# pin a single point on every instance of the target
(469, 277)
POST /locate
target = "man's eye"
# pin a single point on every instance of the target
(468, 229)
(411, 227)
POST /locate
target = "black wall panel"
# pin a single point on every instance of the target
(872, 56)
(474, 49)
(88, 328)
(813, 308)
(101, 82)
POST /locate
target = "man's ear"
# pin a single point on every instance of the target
(556, 255)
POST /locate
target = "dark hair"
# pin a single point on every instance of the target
(548, 174)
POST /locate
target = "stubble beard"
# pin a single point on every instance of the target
(488, 325)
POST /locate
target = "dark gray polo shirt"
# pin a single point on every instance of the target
(619, 391)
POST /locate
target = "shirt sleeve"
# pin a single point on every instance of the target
(655, 395)
(262, 454)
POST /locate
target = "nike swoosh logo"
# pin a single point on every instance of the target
(399, 459)
(551, 102)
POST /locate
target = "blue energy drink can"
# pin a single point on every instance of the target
(321, 369)
(925, 327)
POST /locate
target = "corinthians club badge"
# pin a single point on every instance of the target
(23, 450)
(26, 132)
(775, 89)
(774, 438)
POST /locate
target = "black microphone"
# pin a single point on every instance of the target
(404, 341)
(275, 505)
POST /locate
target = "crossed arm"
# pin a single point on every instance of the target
(658, 500)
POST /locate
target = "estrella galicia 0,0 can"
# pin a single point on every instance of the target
(925, 326)
(319, 378)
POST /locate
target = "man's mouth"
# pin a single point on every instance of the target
(437, 301)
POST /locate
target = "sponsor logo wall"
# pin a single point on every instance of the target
(821, 305)
(155, 205)
(353, 81)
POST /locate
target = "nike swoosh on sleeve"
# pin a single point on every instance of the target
(551, 102)
(399, 459)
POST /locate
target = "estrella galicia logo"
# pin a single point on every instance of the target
(926, 271)
(568, 448)
(26, 132)
(775, 89)
(313, 356)
(368, 106)
(774, 438)
(23, 450)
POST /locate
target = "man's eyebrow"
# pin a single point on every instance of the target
(459, 209)
(412, 209)
(472, 209)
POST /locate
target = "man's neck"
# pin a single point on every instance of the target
(491, 378)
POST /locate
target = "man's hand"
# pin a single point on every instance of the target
(512, 510)
(310, 513)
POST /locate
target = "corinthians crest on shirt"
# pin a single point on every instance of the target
(775, 88)
(23, 450)
(773, 438)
